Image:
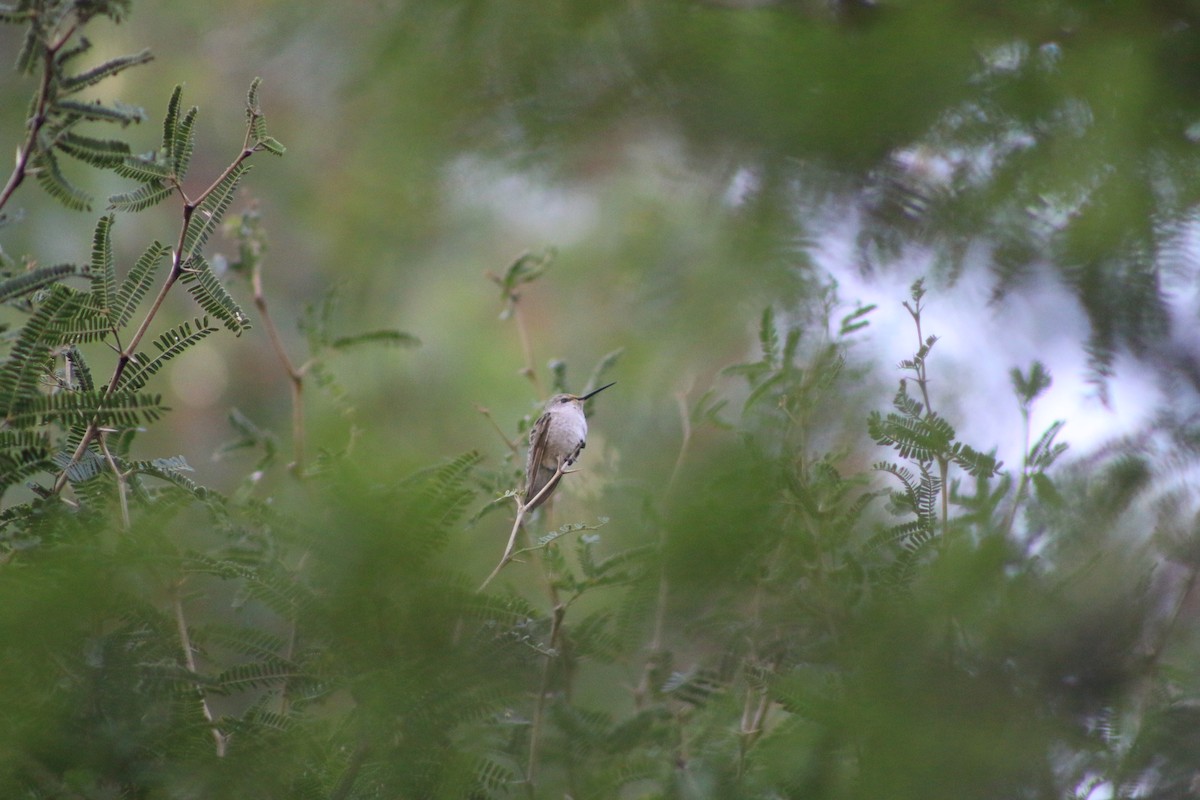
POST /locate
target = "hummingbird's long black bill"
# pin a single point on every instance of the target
(597, 391)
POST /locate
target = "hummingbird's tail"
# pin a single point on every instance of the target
(537, 482)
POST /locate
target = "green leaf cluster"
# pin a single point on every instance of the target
(733, 631)
(61, 421)
(50, 50)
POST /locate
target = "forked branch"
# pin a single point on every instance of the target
(522, 507)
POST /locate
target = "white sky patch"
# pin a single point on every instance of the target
(741, 187)
(525, 206)
(979, 344)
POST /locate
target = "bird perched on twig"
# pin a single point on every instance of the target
(555, 441)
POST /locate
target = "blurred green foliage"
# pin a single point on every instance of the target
(764, 581)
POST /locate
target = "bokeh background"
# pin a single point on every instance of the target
(682, 166)
(689, 163)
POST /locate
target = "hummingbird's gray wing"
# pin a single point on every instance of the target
(537, 472)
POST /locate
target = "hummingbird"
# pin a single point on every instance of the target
(556, 439)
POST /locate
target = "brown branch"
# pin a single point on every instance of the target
(36, 122)
(295, 375)
(529, 371)
(189, 660)
(178, 259)
(522, 508)
(539, 703)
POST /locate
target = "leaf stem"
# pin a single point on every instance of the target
(295, 375)
(189, 660)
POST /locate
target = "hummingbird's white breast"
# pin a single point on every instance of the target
(568, 430)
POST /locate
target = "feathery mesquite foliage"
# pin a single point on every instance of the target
(760, 627)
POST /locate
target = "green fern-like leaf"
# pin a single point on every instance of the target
(768, 337)
(252, 108)
(265, 674)
(170, 470)
(27, 56)
(145, 169)
(171, 121)
(975, 463)
(1045, 451)
(119, 409)
(170, 344)
(272, 145)
(23, 453)
(1029, 387)
(593, 637)
(52, 180)
(856, 320)
(76, 320)
(904, 569)
(495, 773)
(109, 68)
(621, 567)
(763, 389)
(441, 494)
(81, 373)
(922, 439)
(98, 112)
(29, 358)
(141, 198)
(316, 323)
(184, 143)
(137, 283)
(86, 468)
(212, 296)
(245, 641)
(103, 153)
(103, 269)
(906, 404)
(257, 122)
(208, 214)
(68, 54)
(927, 497)
(29, 282)
(392, 337)
(281, 593)
(904, 502)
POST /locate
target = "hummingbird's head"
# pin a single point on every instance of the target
(576, 399)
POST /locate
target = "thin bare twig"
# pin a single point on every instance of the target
(539, 703)
(522, 508)
(526, 348)
(487, 414)
(189, 660)
(122, 487)
(295, 375)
